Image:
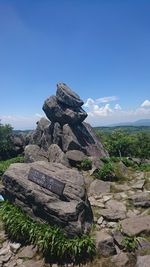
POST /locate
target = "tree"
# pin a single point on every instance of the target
(119, 144)
(6, 144)
(142, 146)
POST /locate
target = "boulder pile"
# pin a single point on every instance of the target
(64, 128)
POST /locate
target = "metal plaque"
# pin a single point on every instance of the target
(46, 181)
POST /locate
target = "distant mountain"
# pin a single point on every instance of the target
(143, 122)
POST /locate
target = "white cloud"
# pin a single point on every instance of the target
(106, 99)
(109, 114)
(117, 107)
(21, 122)
(91, 102)
(146, 103)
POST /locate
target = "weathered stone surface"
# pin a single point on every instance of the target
(27, 252)
(98, 187)
(42, 136)
(115, 205)
(65, 95)
(141, 199)
(75, 157)
(96, 164)
(143, 244)
(57, 134)
(82, 137)
(59, 112)
(55, 154)
(71, 211)
(112, 215)
(70, 140)
(105, 244)
(120, 260)
(118, 238)
(132, 226)
(143, 261)
(92, 143)
(139, 184)
(34, 153)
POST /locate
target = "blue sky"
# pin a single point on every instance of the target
(100, 48)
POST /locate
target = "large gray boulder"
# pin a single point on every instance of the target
(42, 136)
(67, 96)
(59, 112)
(82, 137)
(132, 226)
(35, 153)
(68, 209)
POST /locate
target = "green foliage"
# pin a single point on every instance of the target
(127, 162)
(130, 243)
(145, 167)
(50, 240)
(5, 140)
(126, 141)
(106, 172)
(120, 144)
(86, 164)
(6, 163)
(142, 149)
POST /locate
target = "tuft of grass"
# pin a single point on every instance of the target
(4, 164)
(130, 243)
(51, 241)
(106, 172)
(86, 165)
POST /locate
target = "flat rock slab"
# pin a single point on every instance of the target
(98, 187)
(112, 215)
(141, 199)
(71, 210)
(135, 226)
(115, 205)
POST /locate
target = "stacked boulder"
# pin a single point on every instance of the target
(63, 131)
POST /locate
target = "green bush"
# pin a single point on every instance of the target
(50, 240)
(144, 167)
(6, 163)
(6, 144)
(106, 172)
(130, 243)
(105, 159)
(128, 163)
(86, 164)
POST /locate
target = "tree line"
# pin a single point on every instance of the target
(121, 144)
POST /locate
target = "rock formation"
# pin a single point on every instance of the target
(65, 126)
(44, 186)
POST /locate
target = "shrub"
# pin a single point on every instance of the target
(128, 162)
(105, 173)
(86, 164)
(50, 240)
(6, 144)
(130, 243)
(144, 167)
(6, 163)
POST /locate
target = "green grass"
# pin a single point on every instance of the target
(51, 241)
(4, 164)
(85, 165)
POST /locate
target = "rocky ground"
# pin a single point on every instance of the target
(121, 225)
